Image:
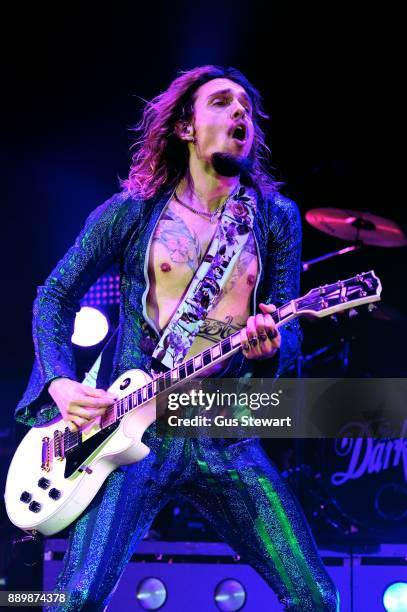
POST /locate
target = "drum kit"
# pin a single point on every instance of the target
(375, 504)
(360, 230)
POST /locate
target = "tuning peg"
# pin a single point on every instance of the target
(353, 313)
(334, 318)
(372, 307)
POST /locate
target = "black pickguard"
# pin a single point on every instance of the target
(75, 457)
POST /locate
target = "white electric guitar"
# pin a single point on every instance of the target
(55, 473)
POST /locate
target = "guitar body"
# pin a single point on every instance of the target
(74, 480)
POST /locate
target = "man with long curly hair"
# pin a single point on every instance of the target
(200, 146)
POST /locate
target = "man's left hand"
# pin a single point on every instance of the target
(260, 338)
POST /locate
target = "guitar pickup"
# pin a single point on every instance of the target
(58, 445)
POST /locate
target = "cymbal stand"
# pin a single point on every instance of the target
(306, 265)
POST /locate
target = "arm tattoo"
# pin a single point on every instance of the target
(182, 244)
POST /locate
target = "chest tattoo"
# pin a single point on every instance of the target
(182, 243)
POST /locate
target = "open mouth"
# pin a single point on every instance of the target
(239, 133)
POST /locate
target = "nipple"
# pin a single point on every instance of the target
(251, 279)
(165, 267)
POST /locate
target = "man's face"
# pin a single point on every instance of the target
(222, 120)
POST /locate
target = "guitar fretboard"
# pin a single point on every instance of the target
(188, 369)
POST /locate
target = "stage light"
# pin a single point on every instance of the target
(91, 327)
(151, 593)
(395, 597)
(106, 291)
(230, 595)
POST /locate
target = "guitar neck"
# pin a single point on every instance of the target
(192, 367)
(218, 352)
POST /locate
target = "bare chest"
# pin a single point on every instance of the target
(179, 244)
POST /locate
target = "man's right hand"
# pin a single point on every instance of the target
(79, 404)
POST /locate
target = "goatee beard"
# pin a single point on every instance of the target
(230, 165)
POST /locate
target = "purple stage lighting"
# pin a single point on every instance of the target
(91, 327)
(105, 292)
(151, 594)
(230, 595)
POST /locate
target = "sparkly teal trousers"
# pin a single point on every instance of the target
(238, 490)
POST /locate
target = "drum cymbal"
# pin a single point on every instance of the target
(357, 226)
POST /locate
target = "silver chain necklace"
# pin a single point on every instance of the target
(210, 216)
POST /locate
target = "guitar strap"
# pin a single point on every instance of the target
(207, 283)
(209, 279)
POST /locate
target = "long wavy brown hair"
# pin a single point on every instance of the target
(160, 157)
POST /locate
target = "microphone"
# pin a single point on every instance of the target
(229, 165)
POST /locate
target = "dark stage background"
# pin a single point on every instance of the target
(74, 75)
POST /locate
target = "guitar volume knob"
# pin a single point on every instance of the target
(35, 506)
(25, 497)
(54, 494)
(44, 483)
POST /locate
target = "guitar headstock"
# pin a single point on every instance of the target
(363, 288)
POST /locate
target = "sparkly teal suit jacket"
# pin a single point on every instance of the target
(119, 232)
